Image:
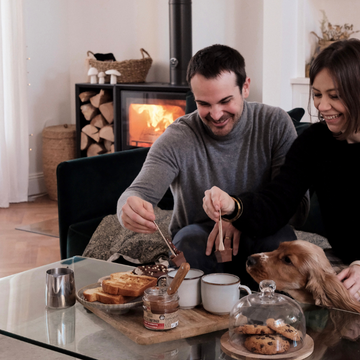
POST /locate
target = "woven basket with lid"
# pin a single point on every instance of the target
(132, 71)
(59, 144)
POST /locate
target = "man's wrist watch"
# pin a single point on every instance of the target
(236, 213)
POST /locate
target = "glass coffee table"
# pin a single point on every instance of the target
(82, 334)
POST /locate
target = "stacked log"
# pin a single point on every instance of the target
(97, 137)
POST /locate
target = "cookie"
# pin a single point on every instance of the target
(254, 330)
(267, 344)
(283, 329)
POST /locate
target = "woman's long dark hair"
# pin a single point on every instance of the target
(342, 60)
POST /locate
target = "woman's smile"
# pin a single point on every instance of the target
(326, 100)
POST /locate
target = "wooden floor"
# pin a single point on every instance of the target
(22, 250)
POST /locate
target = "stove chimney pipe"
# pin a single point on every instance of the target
(180, 40)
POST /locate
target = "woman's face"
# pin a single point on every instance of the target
(328, 103)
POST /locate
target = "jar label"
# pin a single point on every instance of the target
(161, 321)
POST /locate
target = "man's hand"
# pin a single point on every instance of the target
(231, 236)
(214, 200)
(350, 277)
(138, 215)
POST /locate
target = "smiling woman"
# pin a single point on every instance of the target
(336, 90)
(14, 135)
(327, 101)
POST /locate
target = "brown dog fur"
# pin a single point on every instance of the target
(302, 270)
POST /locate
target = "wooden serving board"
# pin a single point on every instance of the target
(192, 322)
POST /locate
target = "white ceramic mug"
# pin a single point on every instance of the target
(220, 292)
(190, 289)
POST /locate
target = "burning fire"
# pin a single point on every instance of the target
(148, 121)
(159, 118)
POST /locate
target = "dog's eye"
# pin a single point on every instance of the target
(286, 260)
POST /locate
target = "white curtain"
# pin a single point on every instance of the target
(14, 133)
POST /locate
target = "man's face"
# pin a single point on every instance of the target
(219, 101)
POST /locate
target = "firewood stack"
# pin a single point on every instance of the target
(97, 137)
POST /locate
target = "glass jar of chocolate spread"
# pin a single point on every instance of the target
(161, 310)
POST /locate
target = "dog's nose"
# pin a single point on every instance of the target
(251, 261)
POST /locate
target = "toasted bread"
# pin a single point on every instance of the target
(128, 284)
(91, 294)
(98, 294)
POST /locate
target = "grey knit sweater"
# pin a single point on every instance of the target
(190, 159)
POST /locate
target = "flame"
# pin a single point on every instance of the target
(148, 121)
(158, 118)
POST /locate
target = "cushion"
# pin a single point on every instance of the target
(111, 241)
(297, 114)
(79, 235)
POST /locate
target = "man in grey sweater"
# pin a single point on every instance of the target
(227, 142)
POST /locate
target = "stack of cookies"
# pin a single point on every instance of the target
(273, 338)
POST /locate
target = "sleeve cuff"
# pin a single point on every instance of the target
(356, 262)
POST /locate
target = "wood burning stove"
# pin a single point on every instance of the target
(141, 112)
(146, 111)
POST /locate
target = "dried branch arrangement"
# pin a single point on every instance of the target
(332, 32)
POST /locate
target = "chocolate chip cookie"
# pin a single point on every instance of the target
(249, 329)
(283, 329)
(267, 344)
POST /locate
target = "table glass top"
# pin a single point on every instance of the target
(79, 333)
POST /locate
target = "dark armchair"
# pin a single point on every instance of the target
(88, 190)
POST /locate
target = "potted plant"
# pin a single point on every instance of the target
(331, 33)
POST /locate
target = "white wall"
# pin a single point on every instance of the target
(47, 38)
(272, 35)
(279, 51)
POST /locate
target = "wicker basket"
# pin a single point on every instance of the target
(132, 71)
(59, 144)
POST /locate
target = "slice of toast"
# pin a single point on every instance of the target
(128, 284)
(91, 294)
(98, 294)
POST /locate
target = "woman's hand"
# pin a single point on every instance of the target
(214, 200)
(231, 237)
(350, 277)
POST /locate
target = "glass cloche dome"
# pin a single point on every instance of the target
(267, 323)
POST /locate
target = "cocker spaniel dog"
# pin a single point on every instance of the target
(302, 270)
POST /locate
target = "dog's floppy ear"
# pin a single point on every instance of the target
(328, 291)
(317, 286)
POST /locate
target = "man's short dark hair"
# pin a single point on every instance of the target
(211, 61)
